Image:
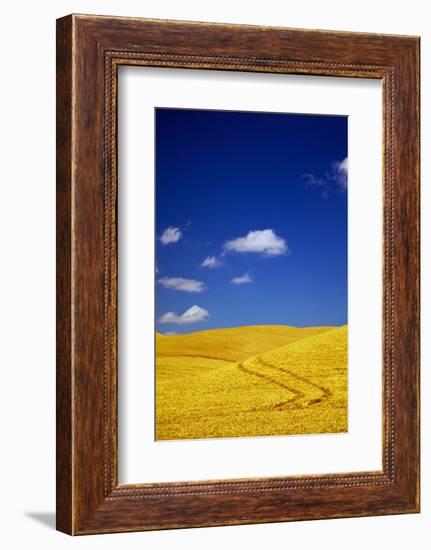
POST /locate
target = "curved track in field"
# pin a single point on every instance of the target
(305, 392)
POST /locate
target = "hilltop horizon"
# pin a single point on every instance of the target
(239, 327)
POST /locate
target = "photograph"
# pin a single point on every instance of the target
(251, 273)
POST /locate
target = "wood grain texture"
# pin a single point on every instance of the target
(90, 49)
(64, 495)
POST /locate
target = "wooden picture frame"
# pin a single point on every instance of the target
(89, 51)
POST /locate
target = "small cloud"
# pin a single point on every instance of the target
(334, 179)
(265, 242)
(171, 235)
(211, 262)
(310, 179)
(195, 314)
(170, 333)
(178, 283)
(340, 170)
(244, 279)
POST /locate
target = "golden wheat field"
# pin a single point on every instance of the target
(251, 381)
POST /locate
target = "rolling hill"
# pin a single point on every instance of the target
(251, 381)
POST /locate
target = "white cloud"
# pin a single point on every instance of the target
(178, 283)
(242, 280)
(211, 262)
(344, 165)
(195, 314)
(340, 170)
(170, 333)
(171, 235)
(310, 179)
(334, 179)
(264, 241)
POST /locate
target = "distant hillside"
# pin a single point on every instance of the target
(232, 344)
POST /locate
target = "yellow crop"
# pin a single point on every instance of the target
(251, 381)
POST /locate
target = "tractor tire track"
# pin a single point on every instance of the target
(325, 391)
(297, 394)
(302, 397)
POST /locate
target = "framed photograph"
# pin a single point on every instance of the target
(237, 274)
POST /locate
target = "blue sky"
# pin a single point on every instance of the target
(251, 219)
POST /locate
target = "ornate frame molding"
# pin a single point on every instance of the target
(90, 49)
